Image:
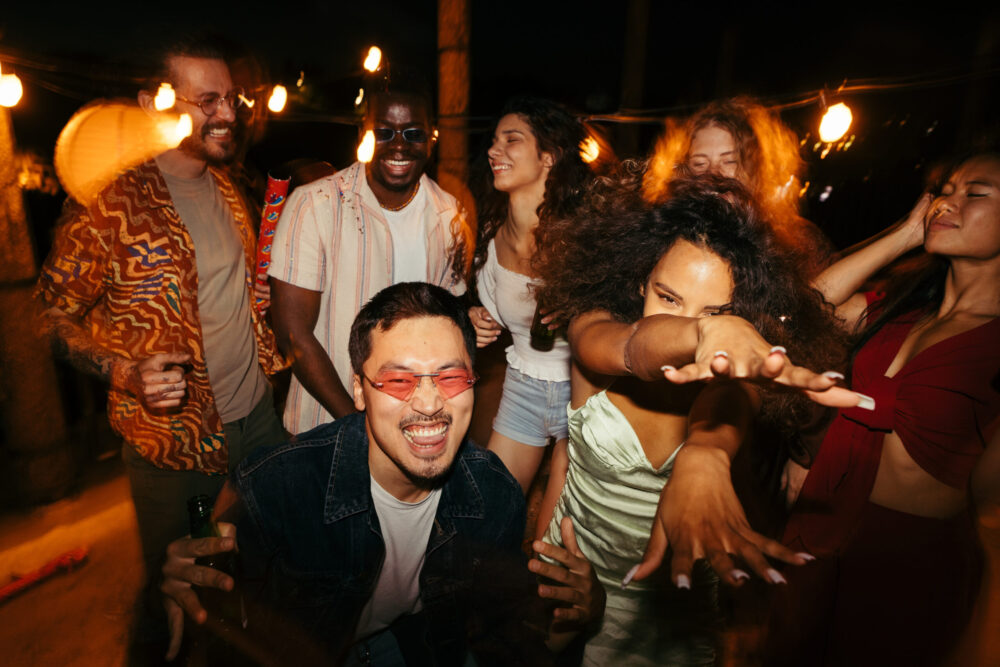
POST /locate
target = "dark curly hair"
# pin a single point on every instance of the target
(558, 133)
(599, 260)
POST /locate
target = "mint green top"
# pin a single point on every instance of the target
(612, 492)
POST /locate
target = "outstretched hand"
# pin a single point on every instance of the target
(180, 572)
(579, 591)
(729, 346)
(699, 516)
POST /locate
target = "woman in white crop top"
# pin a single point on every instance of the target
(535, 175)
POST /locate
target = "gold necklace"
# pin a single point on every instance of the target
(405, 203)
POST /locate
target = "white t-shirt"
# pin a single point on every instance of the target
(406, 530)
(409, 240)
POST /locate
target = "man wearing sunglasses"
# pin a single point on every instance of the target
(386, 536)
(343, 238)
(149, 287)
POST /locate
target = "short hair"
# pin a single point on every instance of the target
(404, 301)
(155, 63)
(403, 82)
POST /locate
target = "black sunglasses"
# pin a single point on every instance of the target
(413, 135)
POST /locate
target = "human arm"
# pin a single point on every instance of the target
(685, 349)
(294, 313)
(985, 484)
(487, 329)
(558, 466)
(699, 515)
(572, 583)
(839, 283)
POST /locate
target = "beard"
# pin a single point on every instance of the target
(202, 148)
(434, 473)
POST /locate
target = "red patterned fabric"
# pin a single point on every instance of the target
(943, 404)
(125, 264)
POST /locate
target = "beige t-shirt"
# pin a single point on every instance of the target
(238, 383)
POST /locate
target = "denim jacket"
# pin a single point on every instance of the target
(311, 549)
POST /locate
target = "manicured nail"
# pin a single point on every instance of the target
(667, 367)
(775, 576)
(721, 353)
(833, 375)
(738, 575)
(778, 348)
(628, 576)
(806, 557)
(865, 402)
(683, 582)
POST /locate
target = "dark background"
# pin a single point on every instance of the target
(572, 52)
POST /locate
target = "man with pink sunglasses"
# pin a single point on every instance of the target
(386, 535)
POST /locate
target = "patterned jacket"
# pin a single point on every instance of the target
(125, 265)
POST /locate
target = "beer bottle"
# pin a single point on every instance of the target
(225, 608)
(542, 337)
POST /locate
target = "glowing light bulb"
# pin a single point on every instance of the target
(10, 90)
(374, 59)
(279, 95)
(183, 128)
(836, 121)
(590, 150)
(165, 97)
(366, 149)
(360, 97)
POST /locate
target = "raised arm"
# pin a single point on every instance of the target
(839, 283)
(294, 312)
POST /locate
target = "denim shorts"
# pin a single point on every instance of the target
(531, 410)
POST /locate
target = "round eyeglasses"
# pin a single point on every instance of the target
(210, 104)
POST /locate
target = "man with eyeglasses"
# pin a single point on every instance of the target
(386, 538)
(149, 286)
(343, 238)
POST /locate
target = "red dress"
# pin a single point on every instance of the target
(891, 587)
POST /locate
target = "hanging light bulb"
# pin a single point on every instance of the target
(279, 95)
(360, 97)
(374, 59)
(836, 121)
(366, 149)
(590, 150)
(10, 90)
(183, 128)
(165, 97)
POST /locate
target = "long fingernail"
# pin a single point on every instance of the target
(721, 353)
(775, 576)
(833, 375)
(738, 574)
(865, 402)
(628, 576)
(667, 367)
(778, 348)
(806, 557)
(683, 582)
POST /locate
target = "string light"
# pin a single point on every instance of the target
(10, 90)
(279, 96)
(836, 122)
(366, 149)
(590, 150)
(183, 128)
(360, 97)
(165, 97)
(374, 59)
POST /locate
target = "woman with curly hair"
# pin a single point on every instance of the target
(535, 175)
(647, 290)
(738, 138)
(885, 506)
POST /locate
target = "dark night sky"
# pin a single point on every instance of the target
(572, 52)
